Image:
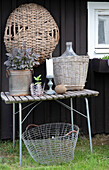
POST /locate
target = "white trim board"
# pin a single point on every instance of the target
(94, 9)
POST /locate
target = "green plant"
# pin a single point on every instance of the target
(21, 59)
(37, 79)
(105, 57)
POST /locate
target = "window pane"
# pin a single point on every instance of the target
(103, 29)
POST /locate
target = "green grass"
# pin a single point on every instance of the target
(83, 160)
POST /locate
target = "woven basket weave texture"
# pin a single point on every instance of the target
(71, 71)
(32, 24)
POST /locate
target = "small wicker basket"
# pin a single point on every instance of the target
(71, 71)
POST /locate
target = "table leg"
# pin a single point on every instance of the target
(71, 105)
(13, 125)
(20, 132)
(88, 119)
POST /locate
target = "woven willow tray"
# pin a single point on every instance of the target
(32, 24)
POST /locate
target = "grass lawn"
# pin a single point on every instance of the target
(83, 160)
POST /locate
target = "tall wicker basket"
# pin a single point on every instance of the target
(71, 71)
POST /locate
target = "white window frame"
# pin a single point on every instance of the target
(96, 50)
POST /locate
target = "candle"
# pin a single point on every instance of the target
(49, 67)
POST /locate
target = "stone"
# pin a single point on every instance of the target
(61, 89)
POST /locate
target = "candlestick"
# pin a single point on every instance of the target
(50, 84)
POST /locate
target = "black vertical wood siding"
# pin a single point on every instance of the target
(71, 17)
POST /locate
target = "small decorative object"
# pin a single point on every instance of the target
(19, 65)
(52, 143)
(49, 75)
(70, 69)
(36, 89)
(34, 25)
(61, 89)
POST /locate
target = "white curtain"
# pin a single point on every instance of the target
(103, 29)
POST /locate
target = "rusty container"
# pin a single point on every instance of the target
(19, 82)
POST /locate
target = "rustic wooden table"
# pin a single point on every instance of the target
(35, 101)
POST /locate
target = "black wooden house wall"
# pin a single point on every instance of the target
(71, 18)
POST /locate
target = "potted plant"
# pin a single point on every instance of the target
(19, 65)
(101, 65)
(36, 88)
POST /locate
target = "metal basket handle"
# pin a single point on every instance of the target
(7, 73)
(38, 125)
(71, 132)
(31, 125)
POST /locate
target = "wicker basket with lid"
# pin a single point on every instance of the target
(32, 24)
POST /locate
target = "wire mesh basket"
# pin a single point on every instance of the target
(51, 143)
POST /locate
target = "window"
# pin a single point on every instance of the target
(98, 29)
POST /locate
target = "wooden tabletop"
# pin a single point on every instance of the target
(69, 94)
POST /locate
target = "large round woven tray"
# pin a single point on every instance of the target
(33, 25)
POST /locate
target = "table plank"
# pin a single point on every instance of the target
(78, 93)
(91, 92)
(69, 94)
(60, 96)
(36, 98)
(17, 99)
(42, 97)
(11, 98)
(24, 98)
(4, 97)
(30, 98)
(54, 96)
(48, 97)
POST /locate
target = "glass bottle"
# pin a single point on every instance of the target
(69, 51)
